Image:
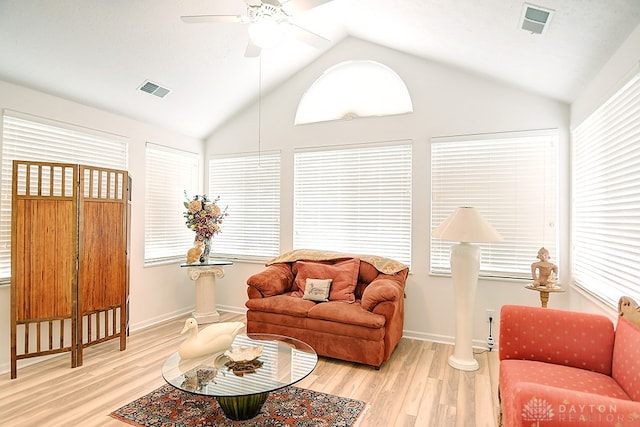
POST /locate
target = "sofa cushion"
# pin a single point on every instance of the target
(352, 314)
(317, 290)
(336, 329)
(282, 304)
(274, 280)
(626, 358)
(380, 291)
(536, 393)
(366, 275)
(515, 372)
(344, 277)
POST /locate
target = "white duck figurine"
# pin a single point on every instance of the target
(213, 339)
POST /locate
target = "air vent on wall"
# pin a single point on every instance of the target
(154, 89)
(535, 19)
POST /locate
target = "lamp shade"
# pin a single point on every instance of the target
(466, 224)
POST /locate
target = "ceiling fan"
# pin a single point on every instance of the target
(268, 20)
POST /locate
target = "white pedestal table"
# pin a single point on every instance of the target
(205, 275)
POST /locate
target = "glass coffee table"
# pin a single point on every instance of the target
(242, 390)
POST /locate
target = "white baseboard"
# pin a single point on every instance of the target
(159, 319)
(232, 309)
(421, 336)
(442, 339)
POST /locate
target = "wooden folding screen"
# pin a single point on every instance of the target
(69, 259)
(103, 267)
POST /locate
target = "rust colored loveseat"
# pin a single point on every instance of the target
(360, 320)
(566, 368)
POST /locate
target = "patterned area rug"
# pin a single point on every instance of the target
(290, 406)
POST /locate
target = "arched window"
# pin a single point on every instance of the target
(354, 89)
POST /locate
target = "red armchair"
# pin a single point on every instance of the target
(566, 368)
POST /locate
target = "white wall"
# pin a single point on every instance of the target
(156, 292)
(624, 63)
(447, 101)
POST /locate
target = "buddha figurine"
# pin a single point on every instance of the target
(544, 272)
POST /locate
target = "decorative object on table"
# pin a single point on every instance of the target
(198, 378)
(213, 339)
(204, 217)
(243, 360)
(545, 277)
(194, 253)
(289, 406)
(242, 367)
(244, 354)
(544, 272)
(465, 225)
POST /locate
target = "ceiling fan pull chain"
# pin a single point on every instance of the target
(259, 110)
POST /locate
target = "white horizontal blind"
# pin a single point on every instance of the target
(511, 179)
(354, 199)
(249, 184)
(169, 173)
(30, 138)
(606, 198)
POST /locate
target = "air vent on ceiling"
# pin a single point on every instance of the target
(154, 89)
(535, 19)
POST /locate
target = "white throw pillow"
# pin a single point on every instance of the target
(317, 289)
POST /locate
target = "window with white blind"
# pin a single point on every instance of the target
(354, 199)
(26, 137)
(511, 179)
(606, 198)
(169, 174)
(249, 184)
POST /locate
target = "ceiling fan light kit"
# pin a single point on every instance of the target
(266, 33)
(267, 21)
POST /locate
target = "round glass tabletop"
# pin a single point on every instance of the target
(284, 361)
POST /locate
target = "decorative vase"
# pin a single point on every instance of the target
(204, 257)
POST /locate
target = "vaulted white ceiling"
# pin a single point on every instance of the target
(99, 52)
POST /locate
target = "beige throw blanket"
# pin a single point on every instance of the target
(383, 265)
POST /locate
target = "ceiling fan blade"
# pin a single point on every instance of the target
(252, 51)
(200, 19)
(308, 37)
(275, 3)
(294, 7)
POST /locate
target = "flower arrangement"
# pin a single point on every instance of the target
(203, 216)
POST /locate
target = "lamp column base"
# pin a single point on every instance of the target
(465, 265)
(463, 364)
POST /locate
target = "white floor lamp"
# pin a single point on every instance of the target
(465, 225)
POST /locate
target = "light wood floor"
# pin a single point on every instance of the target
(416, 387)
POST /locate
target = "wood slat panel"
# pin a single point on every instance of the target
(44, 248)
(103, 265)
(102, 262)
(45, 257)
